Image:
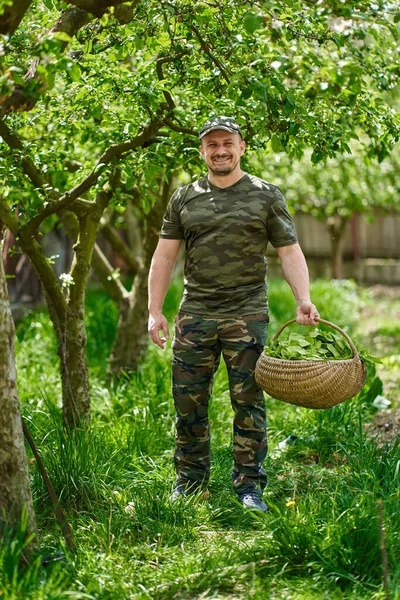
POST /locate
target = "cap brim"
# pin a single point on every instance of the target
(216, 127)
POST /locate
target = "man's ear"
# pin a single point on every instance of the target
(242, 147)
(201, 150)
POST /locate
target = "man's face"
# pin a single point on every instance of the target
(221, 151)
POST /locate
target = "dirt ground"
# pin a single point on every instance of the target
(380, 327)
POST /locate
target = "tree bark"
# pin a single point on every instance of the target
(96, 7)
(13, 15)
(337, 228)
(105, 274)
(74, 370)
(15, 492)
(74, 367)
(131, 342)
(131, 339)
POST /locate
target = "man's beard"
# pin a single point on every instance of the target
(223, 170)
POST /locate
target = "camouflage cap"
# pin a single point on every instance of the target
(220, 122)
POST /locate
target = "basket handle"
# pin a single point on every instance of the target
(344, 334)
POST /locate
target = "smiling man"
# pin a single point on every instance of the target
(226, 220)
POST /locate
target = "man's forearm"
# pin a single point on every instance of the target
(160, 275)
(295, 271)
(159, 279)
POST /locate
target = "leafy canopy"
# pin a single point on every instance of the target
(298, 75)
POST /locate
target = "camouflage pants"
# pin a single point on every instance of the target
(197, 347)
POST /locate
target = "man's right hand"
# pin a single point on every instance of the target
(158, 323)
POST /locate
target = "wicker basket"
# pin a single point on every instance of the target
(311, 383)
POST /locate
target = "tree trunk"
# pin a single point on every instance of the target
(131, 339)
(72, 347)
(74, 370)
(15, 492)
(68, 313)
(337, 228)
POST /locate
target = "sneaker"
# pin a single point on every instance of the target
(181, 491)
(253, 500)
(130, 509)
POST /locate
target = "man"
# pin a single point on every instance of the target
(226, 221)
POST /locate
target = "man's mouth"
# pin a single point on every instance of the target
(221, 159)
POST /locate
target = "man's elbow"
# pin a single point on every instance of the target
(167, 252)
(289, 251)
(163, 259)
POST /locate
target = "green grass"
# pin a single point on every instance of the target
(321, 538)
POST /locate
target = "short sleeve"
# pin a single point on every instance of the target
(281, 228)
(172, 227)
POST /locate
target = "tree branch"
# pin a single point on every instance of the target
(81, 206)
(120, 247)
(29, 167)
(205, 47)
(8, 218)
(88, 230)
(13, 15)
(105, 274)
(95, 7)
(102, 268)
(51, 287)
(116, 151)
(159, 63)
(70, 22)
(180, 128)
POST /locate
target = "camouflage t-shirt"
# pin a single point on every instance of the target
(226, 232)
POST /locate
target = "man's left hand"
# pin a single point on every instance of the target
(307, 314)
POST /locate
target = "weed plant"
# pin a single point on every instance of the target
(320, 539)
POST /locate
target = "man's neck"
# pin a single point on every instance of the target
(224, 181)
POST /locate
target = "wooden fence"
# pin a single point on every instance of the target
(379, 238)
(371, 251)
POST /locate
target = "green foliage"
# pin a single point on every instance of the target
(322, 490)
(314, 345)
(297, 74)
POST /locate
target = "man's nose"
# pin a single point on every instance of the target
(221, 149)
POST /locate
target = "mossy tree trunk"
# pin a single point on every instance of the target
(72, 341)
(67, 312)
(15, 492)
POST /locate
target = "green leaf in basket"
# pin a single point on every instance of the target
(298, 352)
(336, 353)
(315, 344)
(314, 333)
